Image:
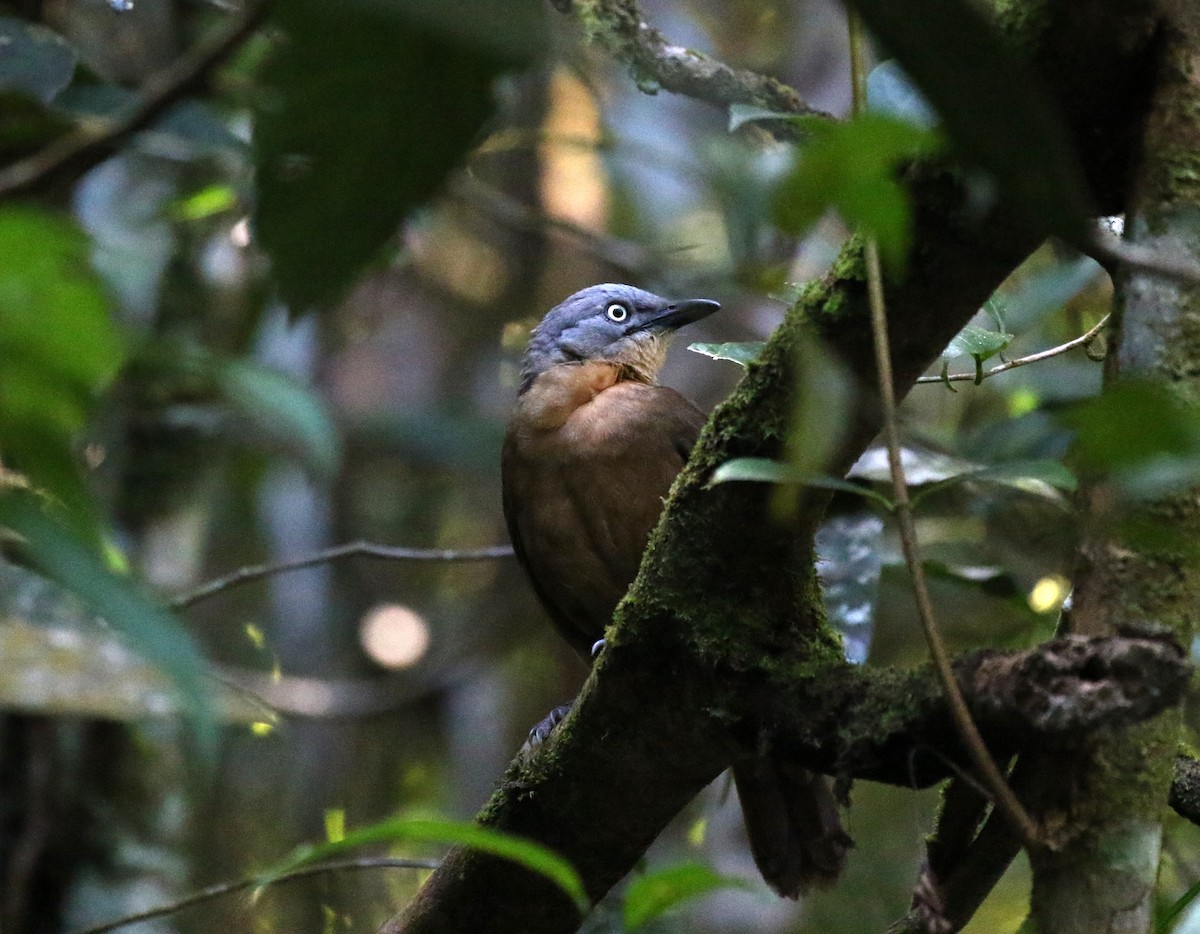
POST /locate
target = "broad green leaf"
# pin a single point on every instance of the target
(34, 60)
(60, 553)
(743, 353)
(533, 856)
(990, 104)
(365, 108)
(853, 168)
(58, 347)
(764, 470)
(655, 893)
(282, 410)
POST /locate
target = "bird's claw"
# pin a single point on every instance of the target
(541, 732)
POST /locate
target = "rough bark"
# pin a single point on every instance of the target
(1105, 808)
(726, 603)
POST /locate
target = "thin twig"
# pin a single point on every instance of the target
(998, 788)
(94, 140)
(228, 888)
(617, 26)
(254, 572)
(1083, 339)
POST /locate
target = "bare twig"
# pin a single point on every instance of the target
(350, 550)
(94, 140)
(1080, 341)
(617, 27)
(228, 888)
(1003, 796)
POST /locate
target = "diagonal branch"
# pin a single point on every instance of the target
(655, 64)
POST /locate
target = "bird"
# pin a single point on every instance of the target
(590, 452)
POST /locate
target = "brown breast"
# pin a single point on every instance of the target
(588, 458)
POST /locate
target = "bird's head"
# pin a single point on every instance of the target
(614, 323)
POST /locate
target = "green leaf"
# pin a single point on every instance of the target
(852, 167)
(533, 856)
(55, 549)
(992, 107)
(655, 893)
(58, 347)
(743, 353)
(35, 60)
(977, 342)
(365, 108)
(1166, 922)
(1038, 477)
(764, 470)
(283, 410)
(1142, 437)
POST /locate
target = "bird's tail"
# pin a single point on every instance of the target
(792, 820)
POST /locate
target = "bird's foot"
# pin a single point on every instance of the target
(540, 733)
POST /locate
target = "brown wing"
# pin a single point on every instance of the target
(581, 499)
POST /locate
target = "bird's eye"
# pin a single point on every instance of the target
(617, 312)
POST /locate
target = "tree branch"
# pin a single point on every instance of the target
(1081, 341)
(240, 885)
(725, 613)
(253, 572)
(655, 64)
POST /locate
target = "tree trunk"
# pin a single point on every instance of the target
(1106, 805)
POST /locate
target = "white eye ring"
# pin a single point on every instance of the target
(617, 312)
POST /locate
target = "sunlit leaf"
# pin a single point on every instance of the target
(853, 168)
(655, 893)
(990, 105)
(58, 347)
(207, 202)
(533, 856)
(742, 353)
(764, 470)
(56, 550)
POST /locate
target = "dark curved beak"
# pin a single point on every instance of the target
(677, 314)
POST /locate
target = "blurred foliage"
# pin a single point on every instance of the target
(853, 167)
(410, 96)
(991, 107)
(59, 347)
